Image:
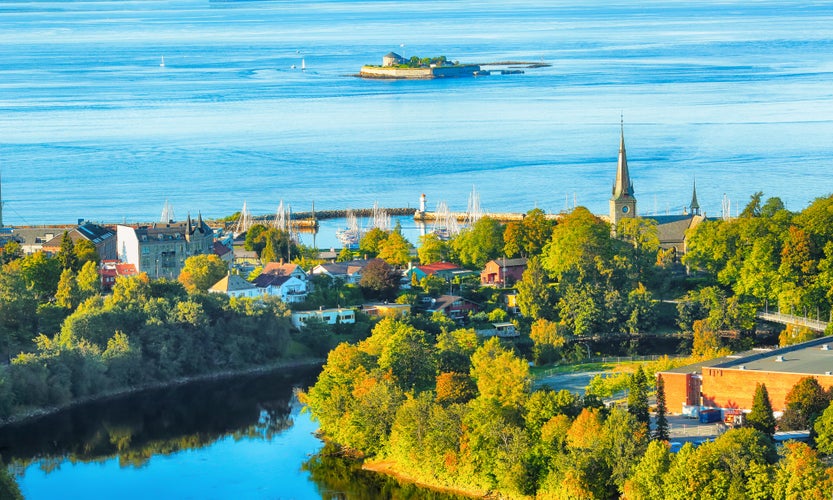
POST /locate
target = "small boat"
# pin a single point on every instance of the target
(162, 64)
(293, 66)
(303, 65)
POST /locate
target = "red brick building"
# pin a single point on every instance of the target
(730, 381)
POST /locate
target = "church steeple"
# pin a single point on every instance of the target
(623, 185)
(695, 206)
(622, 203)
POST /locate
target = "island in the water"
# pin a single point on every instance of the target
(397, 67)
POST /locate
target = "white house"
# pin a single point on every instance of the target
(289, 288)
(328, 316)
(235, 286)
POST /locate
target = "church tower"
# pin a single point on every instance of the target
(695, 206)
(622, 203)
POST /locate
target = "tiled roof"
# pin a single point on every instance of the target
(430, 269)
(280, 269)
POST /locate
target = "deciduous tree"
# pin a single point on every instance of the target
(200, 272)
(380, 280)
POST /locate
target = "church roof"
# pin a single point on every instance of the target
(695, 206)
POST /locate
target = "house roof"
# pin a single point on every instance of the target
(124, 269)
(220, 249)
(266, 280)
(518, 262)
(430, 269)
(393, 55)
(280, 268)
(344, 268)
(442, 302)
(232, 283)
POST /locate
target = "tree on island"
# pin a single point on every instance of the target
(761, 418)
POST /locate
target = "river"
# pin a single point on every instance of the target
(242, 437)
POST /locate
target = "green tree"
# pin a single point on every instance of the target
(432, 249)
(371, 241)
(344, 255)
(41, 274)
(661, 432)
(761, 417)
(255, 242)
(805, 401)
(10, 251)
(89, 281)
(638, 397)
(380, 280)
(8, 486)
(395, 250)
(200, 272)
(529, 236)
(824, 431)
(480, 243)
(580, 243)
(268, 254)
(85, 251)
(500, 375)
(646, 481)
(66, 254)
(67, 294)
(801, 475)
(535, 297)
(753, 208)
(410, 358)
(548, 338)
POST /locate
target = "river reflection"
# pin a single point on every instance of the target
(242, 437)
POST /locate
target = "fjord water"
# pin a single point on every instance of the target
(736, 94)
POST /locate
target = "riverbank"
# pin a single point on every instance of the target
(32, 414)
(388, 468)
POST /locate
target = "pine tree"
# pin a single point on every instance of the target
(761, 417)
(66, 254)
(638, 397)
(661, 430)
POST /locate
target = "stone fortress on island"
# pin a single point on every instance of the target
(395, 66)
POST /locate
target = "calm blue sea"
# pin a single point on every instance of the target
(737, 94)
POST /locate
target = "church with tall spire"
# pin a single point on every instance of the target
(622, 202)
(671, 229)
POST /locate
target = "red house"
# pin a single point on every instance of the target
(503, 272)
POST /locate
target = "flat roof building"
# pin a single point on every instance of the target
(729, 382)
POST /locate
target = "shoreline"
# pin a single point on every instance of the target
(36, 413)
(388, 468)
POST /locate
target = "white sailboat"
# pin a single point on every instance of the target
(303, 64)
(162, 64)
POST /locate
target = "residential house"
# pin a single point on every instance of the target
(453, 306)
(109, 270)
(103, 238)
(386, 310)
(223, 251)
(32, 239)
(235, 286)
(289, 288)
(503, 272)
(160, 249)
(328, 316)
(349, 272)
(503, 330)
(285, 269)
(440, 269)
